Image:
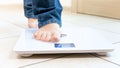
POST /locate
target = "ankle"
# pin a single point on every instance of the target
(32, 23)
(32, 20)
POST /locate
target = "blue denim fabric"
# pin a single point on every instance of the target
(47, 11)
(28, 9)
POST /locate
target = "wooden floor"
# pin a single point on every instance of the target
(12, 22)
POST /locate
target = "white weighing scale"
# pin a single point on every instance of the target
(74, 40)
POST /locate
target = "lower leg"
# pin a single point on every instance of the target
(49, 18)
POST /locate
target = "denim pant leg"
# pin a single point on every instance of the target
(48, 11)
(28, 9)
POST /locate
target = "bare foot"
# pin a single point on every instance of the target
(48, 33)
(32, 23)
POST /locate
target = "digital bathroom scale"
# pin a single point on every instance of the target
(73, 40)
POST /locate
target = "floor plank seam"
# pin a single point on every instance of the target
(105, 30)
(8, 35)
(13, 23)
(17, 25)
(105, 59)
(116, 42)
(44, 61)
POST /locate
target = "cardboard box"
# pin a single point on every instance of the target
(108, 8)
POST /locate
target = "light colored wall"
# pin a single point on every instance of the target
(66, 3)
(10, 1)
